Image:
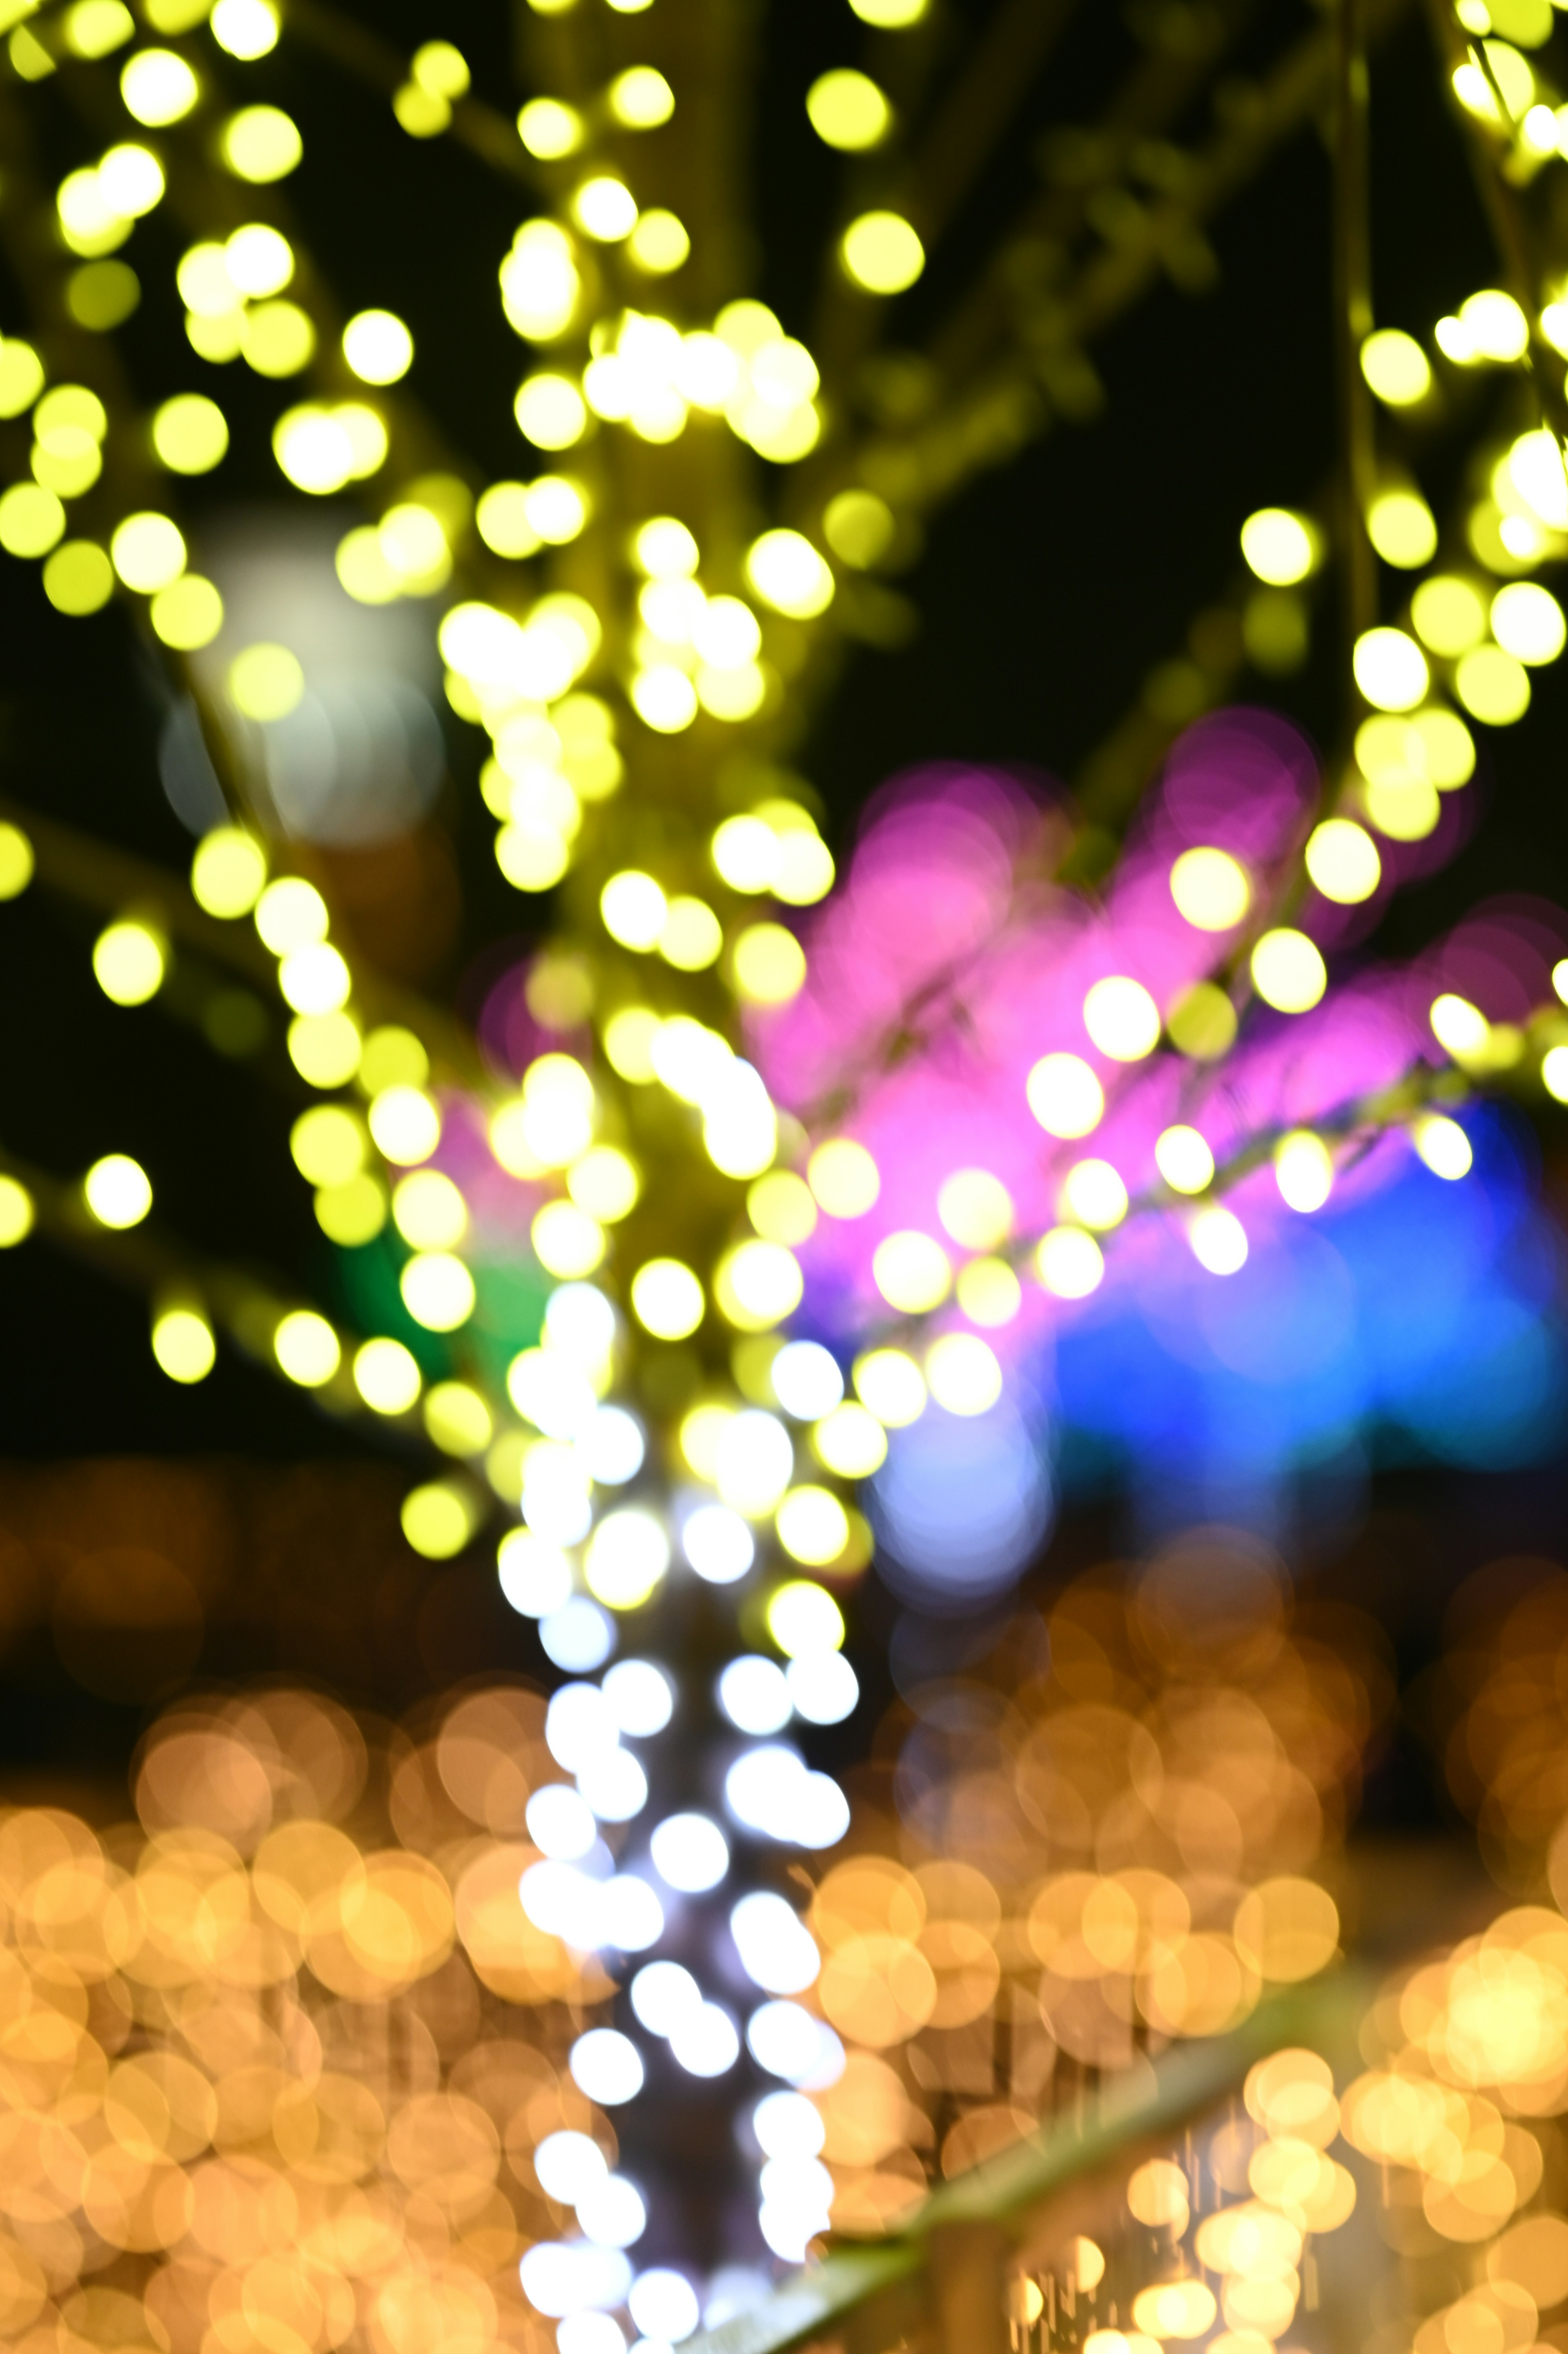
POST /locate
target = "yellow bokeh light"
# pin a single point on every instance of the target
(912, 1271)
(1527, 623)
(634, 909)
(1281, 547)
(266, 681)
(844, 1178)
(881, 252)
(148, 552)
(803, 1617)
(79, 579)
(329, 1144)
(667, 1298)
(1122, 1019)
(129, 961)
(1210, 889)
(989, 1292)
(605, 1182)
(813, 1526)
(549, 130)
(1442, 1146)
(158, 87)
(789, 574)
(890, 1386)
(406, 1123)
(1493, 686)
(1403, 529)
(184, 1345)
(1303, 1171)
(438, 1520)
(782, 1208)
(324, 1048)
(438, 1290)
(18, 1214)
(260, 143)
(1218, 1239)
(307, 1348)
(768, 964)
(1288, 971)
(1069, 1263)
(1065, 1096)
(290, 914)
(1342, 861)
(1093, 1193)
(1396, 368)
(428, 1209)
(1389, 670)
(659, 244)
(386, 1376)
(1184, 1160)
(847, 110)
(605, 208)
(190, 434)
(975, 1208)
(851, 1441)
(758, 1285)
(31, 520)
(377, 346)
(692, 936)
(568, 1242)
(248, 29)
(963, 1374)
(16, 861)
(1449, 614)
(640, 97)
(188, 614)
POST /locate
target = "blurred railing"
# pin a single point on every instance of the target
(939, 2286)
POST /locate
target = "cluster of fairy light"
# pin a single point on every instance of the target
(287, 2056)
(1499, 1710)
(1476, 626)
(1468, 2068)
(1111, 1852)
(1220, 2235)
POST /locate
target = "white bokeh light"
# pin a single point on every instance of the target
(578, 1637)
(535, 1575)
(560, 1823)
(771, 1790)
(787, 2125)
(607, 2066)
(718, 1544)
(568, 2163)
(614, 1447)
(706, 2041)
(776, 1950)
(754, 1694)
(822, 1687)
(590, 2333)
(806, 1380)
(580, 1726)
(641, 1696)
(562, 2276)
(611, 2212)
(663, 1994)
(787, 2042)
(614, 1786)
(690, 1853)
(630, 1916)
(665, 2305)
(564, 1901)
